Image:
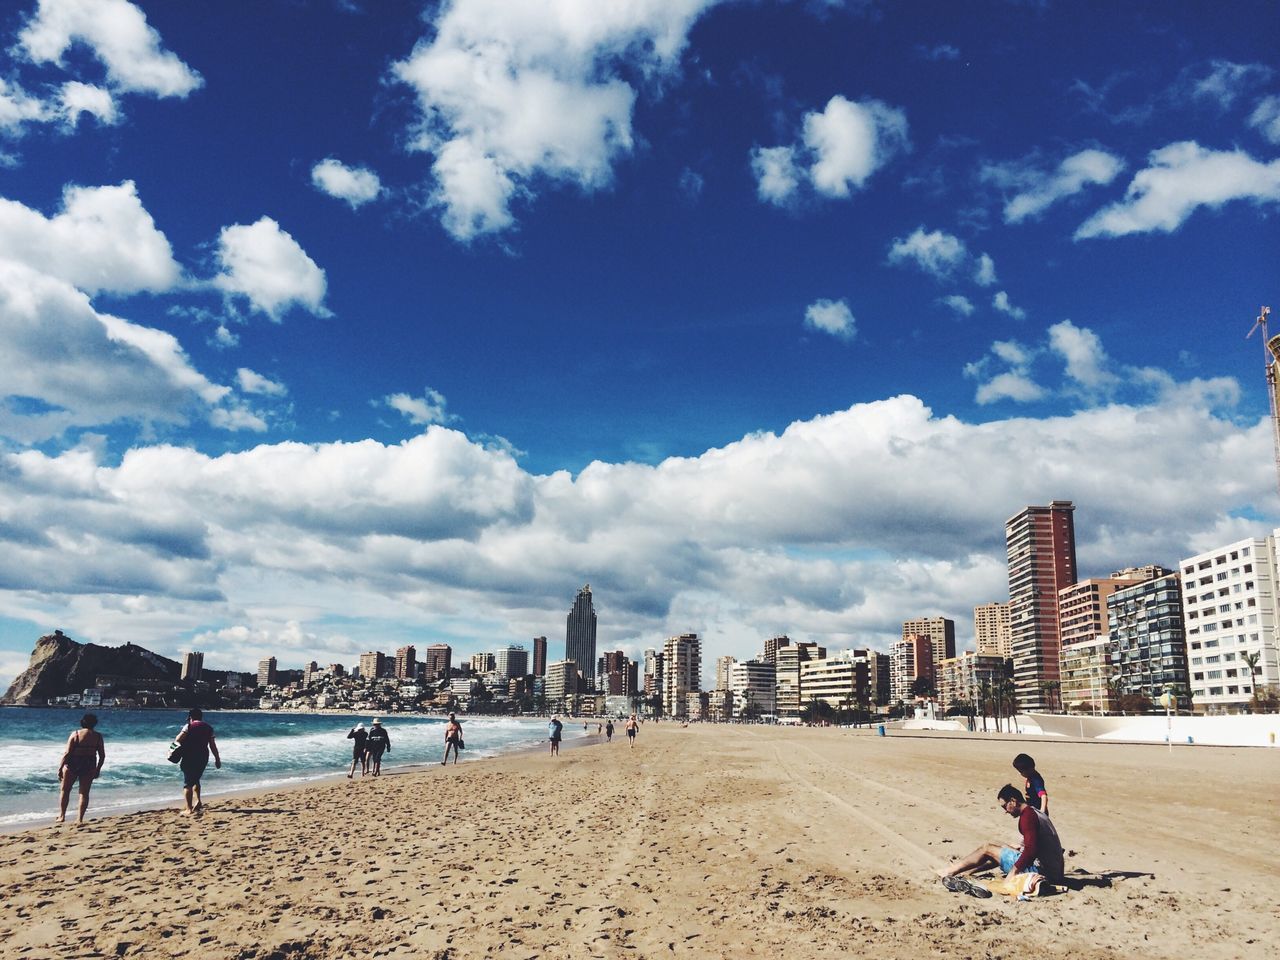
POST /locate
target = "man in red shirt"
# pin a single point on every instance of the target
(1040, 852)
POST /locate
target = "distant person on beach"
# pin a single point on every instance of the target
(1036, 794)
(554, 729)
(197, 743)
(608, 732)
(632, 727)
(81, 763)
(452, 740)
(378, 742)
(1038, 861)
(359, 750)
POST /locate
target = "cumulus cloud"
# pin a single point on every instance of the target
(78, 98)
(1036, 189)
(18, 108)
(1223, 81)
(356, 185)
(1179, 179)
(832, 317)
(1086, 360)
(264, 264)
(256, 383)
(1002, 303)
(1014, 383)
(1266, 118)
(960, 304)
(423, 410)
(513, 96)
(984, 272)
(117, 34)
(932, 251)
(840, 148)
(101, 240)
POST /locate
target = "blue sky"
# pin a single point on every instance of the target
(340, 325)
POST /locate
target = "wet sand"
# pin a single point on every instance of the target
(702, 842)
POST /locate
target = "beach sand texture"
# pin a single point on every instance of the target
(710, 841)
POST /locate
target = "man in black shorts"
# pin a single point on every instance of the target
(379, 741)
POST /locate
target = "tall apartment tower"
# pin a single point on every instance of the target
(371, 665)
(192, 665)
(771, 648)
(539, 656)
(580, 634)
(406, 663)
(267, 672)
(910, 659)
(511, 661)
(1041, 544)
(941, 633)
(438, 660)
(991, 633)
(1082, 606)
(681, 673)
(722, 671)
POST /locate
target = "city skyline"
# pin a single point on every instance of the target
(761, 317)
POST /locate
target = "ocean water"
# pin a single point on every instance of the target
(258, 750)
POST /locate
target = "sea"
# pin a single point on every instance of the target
(259, 749)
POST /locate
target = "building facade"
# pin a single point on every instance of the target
(941, 633)
(192, 665)
(991, 633)
(267, 672)
(910, 659)
(406, 663)
(1149, 643)
(1041, 545)
(752, 684)
(771, 646)
(842, 681)
(539, 656)
(681, 673)
(438, 661)
(580, 634)
(722, 671)
(962, 680)
(1086, 676)
(511, 661)
(561, 685)
(1082, 607)
(789, 698)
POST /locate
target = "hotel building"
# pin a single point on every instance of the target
(789, 699)
(561, 684)
(771, 646)
(580, 634)
(1041, 545)
(842, 681)
(681, 673)
(753, 685)
(267, 671)
(991, 633)
(722, 671)
(511, 661)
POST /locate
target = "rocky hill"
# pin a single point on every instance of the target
(60, 665)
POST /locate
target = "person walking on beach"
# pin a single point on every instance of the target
(81, 763)
(197, 743)
(554, 729)
(1036, 794)
(452, 740)
(632, 728)
(379, 741)
(608, 732)
(1039, 859)
(359, 750)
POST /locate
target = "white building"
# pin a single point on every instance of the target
(511, 662)
(1229, 607)
(681, 673)
(752, 684)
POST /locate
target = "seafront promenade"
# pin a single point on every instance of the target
(702, 842)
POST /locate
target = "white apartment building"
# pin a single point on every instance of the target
(842, 681)
(511, 662)
(1229, 608)
(722, 671)
(752, 683)
(681, 673)
(561, 683)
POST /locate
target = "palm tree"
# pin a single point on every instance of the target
(1251, 661)
(984, 698)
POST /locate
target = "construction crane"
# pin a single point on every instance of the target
(1271, 350)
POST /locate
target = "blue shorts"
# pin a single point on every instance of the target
(1009, 856)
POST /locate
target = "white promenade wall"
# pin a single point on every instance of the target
(1246, 730)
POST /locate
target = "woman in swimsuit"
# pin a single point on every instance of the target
(82, 762)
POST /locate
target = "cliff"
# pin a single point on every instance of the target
(60, 665)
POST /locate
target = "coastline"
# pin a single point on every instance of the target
(702, 842)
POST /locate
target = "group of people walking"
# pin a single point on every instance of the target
(555, 732)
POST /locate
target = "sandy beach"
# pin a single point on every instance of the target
(702, 842)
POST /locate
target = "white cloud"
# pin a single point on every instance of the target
(984, 273)
(832, 317)
(1040, 189)
(256, 383)
(102, 240)
(266, 265)
(18, 108)
(356, 185)
(1266, 118)
(960, 304)
(1180, 178)
(776, 173)
(933, 251)
(1001, 302)
(117, 34)
(1085, 358)
(1225, 81)
(1014, 383)
(1009, 386)
(942, 51)
(515, 95)
(78, 98)
(840, 148)
(420, 411)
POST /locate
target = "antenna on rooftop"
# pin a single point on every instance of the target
(1271, 350)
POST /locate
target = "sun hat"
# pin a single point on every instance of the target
(377, 721)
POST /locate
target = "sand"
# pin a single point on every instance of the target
(702, 842)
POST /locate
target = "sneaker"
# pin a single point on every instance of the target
(963, 885)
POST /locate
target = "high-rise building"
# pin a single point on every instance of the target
(267, 672)
(910, 659)
(511, 661)
(1082, 607)
(561, 684)
(881, 672)
(991, 634)
(790, 698)
(580, 634)
(771, 646)
(372, 665)
(963, 679)
(722, 671)
(311, 672)
(1041, 544)
(539, 656)
(482, 663)
(438, 660)
(1148, 638)
(681, 673)
(192, 665)
(941, 633)
(753, 684)
(616, 675)
(842, 681)
(406, 663)
(1086, 674)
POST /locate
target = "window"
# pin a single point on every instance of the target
(1253, 619)
(1222, 576)
(1224, 608)
(1214, 674)
(1196, 661)
(1197, 676)
(1196, 645)
(1248, 568)
(1215, 691)
(1221, 559)
(1234, 690)
(1244, 551)
(1204, 565)
(1234, 555)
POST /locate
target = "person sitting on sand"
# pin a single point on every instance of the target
(452, 740)
(197, 743)
(378, 742)
(81, 763)
(1035, 792)
(633, 726)
(359, 750)
(1039, 858)
(554, 729)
